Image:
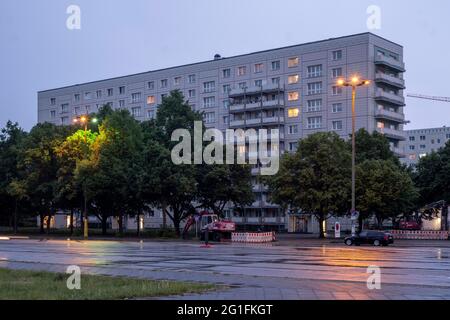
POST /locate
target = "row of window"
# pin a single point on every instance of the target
(424, 138)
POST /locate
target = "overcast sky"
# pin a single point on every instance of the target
(119, 37)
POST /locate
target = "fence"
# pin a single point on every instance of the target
(420, 235)
(253, 237)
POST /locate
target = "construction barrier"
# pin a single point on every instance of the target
(253, 237)
(420, 235)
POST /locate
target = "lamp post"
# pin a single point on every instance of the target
(354, 83)
(84, 120)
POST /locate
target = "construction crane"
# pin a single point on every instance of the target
(425, 97)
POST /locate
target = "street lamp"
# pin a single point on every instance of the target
(354, 82)
(84, 121)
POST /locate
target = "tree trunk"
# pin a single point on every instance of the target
(41, 217)
(104, 224)
(49, 219)
(164, 207)
(176, 224)
(71, 222)
(120, 224)
(138, 225)
(321, 228)
(15, 218)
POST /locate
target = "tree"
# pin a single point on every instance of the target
(373, 146)
(316, 179)
(11, 193)
(384, 190)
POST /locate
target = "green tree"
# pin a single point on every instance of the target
(384, 190)
(316, 179)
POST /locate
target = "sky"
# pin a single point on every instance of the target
(119, 37)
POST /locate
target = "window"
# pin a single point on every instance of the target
(447, 135)
(225, 119)
(292, 62)
(293, 96)
(337, 125)
(191, 93)
(336, 90)
(64, 108)
(315, 71)
(177, 81)
(98, 94)
(293, 146)
(64, 120)
(209, 86)
(151, 100)
(53, 101)
(337, 72)
(151, 85)
(412, 138)
(121, 90)
(136, 112)
(88, 109)
(226, 104)
(336, 107)
(337, 55)
(209, 117)
(241, 71)
(136, 97)
(164, 83)
(314, 88)
(151, 114)
(209, 102)
(110, 92)
(275, 65)
(412, 157)
(412, 147)
(314, 105)
(53, 114)
(259, 67)
(293, 129)
(76, 111)
(276, 80)
(422, 146)
(226, 73)
(87, 95)
(121, 103)
(314, 122)
(422, 138)
(226, 88)
(293, 112)
(191, 78)
(76, 97)
(258, 83)
(110, 103)
(293, 79)
(242, 85)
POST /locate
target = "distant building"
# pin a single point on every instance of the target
(422, 142)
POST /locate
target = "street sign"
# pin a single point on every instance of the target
(337, 230)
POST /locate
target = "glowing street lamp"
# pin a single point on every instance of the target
(354, 82)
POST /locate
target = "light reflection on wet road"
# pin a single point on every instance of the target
(274, 266)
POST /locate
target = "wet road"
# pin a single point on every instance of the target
(253, 272)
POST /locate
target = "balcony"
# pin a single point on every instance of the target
(237, 107)
(390, 97)
(390, 62)
(393, 133)
(390, 115)
(390, 80)
(270, 120)
(253, 121)
(255, 220)
(273, 103)
(237, 123)
(267, 88)
(399, 152)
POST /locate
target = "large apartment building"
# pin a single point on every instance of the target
(292, 89)
(422, 142)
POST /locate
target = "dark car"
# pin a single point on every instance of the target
(376, 238)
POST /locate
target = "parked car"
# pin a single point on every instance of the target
(376, 238)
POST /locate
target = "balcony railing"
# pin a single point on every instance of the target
(390, 62)
(393, 133)
(390, 97)
(253, 90)
(389, 115)
(391, 80)
(237, 123)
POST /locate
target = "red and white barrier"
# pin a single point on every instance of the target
(420, 235)
(253, 237)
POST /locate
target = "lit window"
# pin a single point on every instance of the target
(259, 67)
(151, 100)
(293, 79)
(293, 62)
(293, 96)
(412, 157)
(293, 112)
(241, 71)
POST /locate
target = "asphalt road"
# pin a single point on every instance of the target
(309, 270)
